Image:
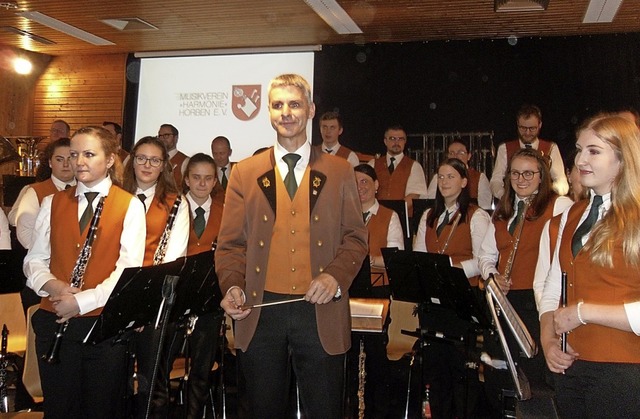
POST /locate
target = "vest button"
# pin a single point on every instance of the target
(293, 287)
(293, 232)
(293, 250)
(261, 243)
(293, 212)
(257, 269)
(77, 245)
(264, 218)
(319, 243)
(316, 218)
(293, 269)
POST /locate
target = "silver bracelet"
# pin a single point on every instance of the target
(579, 314)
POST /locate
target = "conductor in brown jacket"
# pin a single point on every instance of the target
(291, 229)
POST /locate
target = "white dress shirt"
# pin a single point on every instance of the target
(351, 158)
(480, 221)
(417, 182)
(179, 237)
(395, 236)
(132, 241)
(5, 233)
(558, 176)
(304, 152)
(26, 210)
(193, 205)
(485, 197)
(489, 249)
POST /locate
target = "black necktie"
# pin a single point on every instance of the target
(67, 186)
(224, 180)
(445, 221)
(142, 197)
(391, 166)
(290, 180)
(528, 146)
(587, 224)
(365, 215)
(87, 215)
(328, 150)
(198, 222)
(514, 223)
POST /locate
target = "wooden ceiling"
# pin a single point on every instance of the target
(214, 24)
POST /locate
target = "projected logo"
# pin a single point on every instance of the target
(245, 102)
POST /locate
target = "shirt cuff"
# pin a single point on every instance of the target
(244, 297)
(633, 316)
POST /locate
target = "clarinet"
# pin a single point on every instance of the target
(77, 280)
(4, 365)
(512, 256)
(158, 256)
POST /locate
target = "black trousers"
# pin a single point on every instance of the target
(286, 338)
(599, 390)
(89, 381)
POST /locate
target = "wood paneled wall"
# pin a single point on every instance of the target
(82, 90)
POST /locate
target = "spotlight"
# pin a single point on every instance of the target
(22, 65)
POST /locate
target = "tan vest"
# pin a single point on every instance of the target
(473, 180)
(44, 188)
(67, 240)
(460, 246)
(157, 216)
(378, 227)
(392, 186)
(544, 147)
(598, 285)
(289, 265)
(176, 162)
(524, 264)
(210, 233)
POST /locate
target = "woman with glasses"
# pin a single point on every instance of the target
(96, 215)
(527, 204)
(149, 176)
(597, 247)
(454, 227)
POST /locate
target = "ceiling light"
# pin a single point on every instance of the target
(129, 24)
(26, 34)
(335, 16)
(229, 51)
(64, 28)
(22, 65)
(601, 11)
(8, 5)
(520, 5)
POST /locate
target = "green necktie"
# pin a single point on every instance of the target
(224, 180)
(445, 221)
(391, 166)
(87, 215)
(587, 224)
(365, 215)
(290, 180)
(198, 222)
(514, 223)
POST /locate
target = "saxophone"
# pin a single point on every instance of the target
(158, 256)
(4, 365)
(512, 256)
(77, 280)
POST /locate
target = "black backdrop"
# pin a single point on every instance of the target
(474, 85)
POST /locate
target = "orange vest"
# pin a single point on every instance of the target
(44, 188)
(392, 186)
(460, 246)
(599, 285)
(524, 264)
(157, 216)
(378, 227)
(544, 147)
(289, 265)
(209, 235)
(176, 162)
(67, 240)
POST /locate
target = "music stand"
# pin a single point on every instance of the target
(198, 292)
(13, 279)
(419, 207)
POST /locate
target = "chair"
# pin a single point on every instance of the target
(12, 314)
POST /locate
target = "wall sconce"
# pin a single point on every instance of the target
(22, 65)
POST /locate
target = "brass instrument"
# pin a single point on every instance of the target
(362, 374)
(158, 256)
(453, 229)
(512, 256)
(4, 365)
(77, 280)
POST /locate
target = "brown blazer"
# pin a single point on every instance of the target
(338, 238)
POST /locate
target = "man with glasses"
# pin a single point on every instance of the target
(399, 176)
(529, 119)
(59, 129)
(168, 134)
(478, 184)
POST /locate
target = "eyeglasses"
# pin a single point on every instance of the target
(166, 136)
(398, 139)
(153, 161)
(457, 153)
(527, 174)
(529, 129)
